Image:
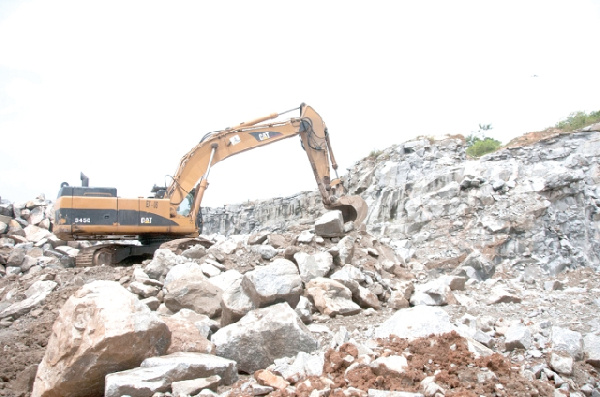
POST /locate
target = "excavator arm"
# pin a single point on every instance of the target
(194, 168)
(99, 213)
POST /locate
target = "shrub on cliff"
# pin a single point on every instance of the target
(578, 120)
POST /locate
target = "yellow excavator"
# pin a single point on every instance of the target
(97, 213)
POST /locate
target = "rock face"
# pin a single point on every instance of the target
(534, 204)
(102, 328)
(263, 335)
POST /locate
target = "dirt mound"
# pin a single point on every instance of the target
(531, 138)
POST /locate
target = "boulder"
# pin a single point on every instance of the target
(304, 309)
(162, 261)
(263, 335)
(273, 283)
(331, 297)
(34, 233)
(186, 337)
(196, 252)
(235, 303)
(195, 293)
(517, 336)
(568, 341)
(591, 345)
(226, 279)
(345, 249)
(389, 365)
(156, 374)
(34, 295)
(432, 293)
(143, 290)
(416, 322)
(102, 328)
(483, 268)
(330, 224)
(188, 270)
(312, 266)
(367, 299)
(205, 324)
(265, 251)
(501, 295)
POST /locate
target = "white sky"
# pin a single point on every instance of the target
(121, 90)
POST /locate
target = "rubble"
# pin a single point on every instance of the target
(476, 278)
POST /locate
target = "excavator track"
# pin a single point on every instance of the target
(114, 254)
(84, 258)
(96, 255)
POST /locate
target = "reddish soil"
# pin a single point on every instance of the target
(532, 137)
(446, 357)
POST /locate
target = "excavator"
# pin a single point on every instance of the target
(141, 225)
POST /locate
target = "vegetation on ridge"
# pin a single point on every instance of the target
(478, 146)
(577, 120)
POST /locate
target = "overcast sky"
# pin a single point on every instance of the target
(121, 90)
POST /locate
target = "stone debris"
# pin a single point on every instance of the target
(473, 277)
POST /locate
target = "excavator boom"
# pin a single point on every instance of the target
(98, 213)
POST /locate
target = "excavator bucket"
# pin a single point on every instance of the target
(353, 208)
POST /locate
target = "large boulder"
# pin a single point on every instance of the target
(312, 266)
(331, 224)
(235, 303)
(274, 283)
(162, 262)
(195, 293)
(102, 328)
(263, 335)
(185, 336)
(571, 342)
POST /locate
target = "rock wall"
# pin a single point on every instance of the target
(535, 204)
(276, 214)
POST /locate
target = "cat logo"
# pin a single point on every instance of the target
(263, 136)
(145, 220)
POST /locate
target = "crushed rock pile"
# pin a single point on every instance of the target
(289, 313)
